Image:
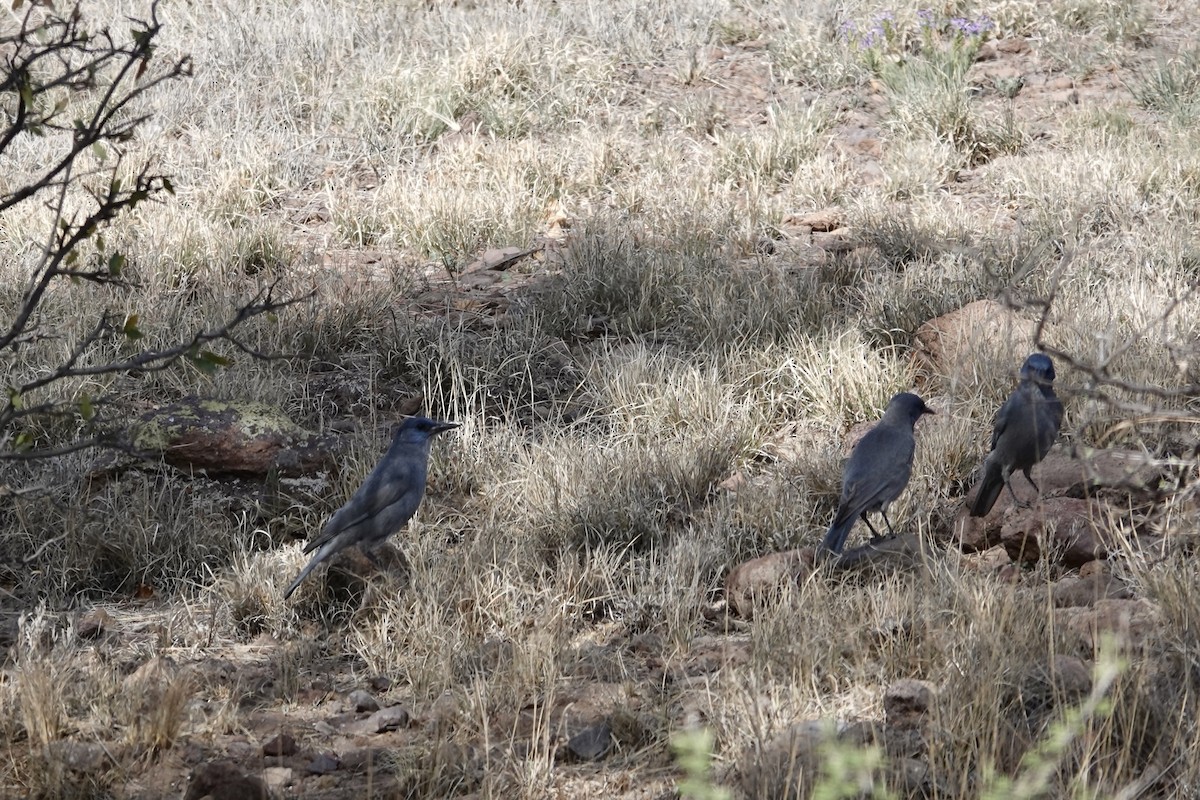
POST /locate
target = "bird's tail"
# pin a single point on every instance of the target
(990, 486)
(330, 547)
(835, 539)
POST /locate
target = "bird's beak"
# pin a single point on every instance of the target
(928, 410)
(441, 427)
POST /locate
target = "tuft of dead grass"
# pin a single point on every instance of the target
(677, 328)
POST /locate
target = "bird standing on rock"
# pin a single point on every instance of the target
(1026, 427)
(877, 471)
(386, 500)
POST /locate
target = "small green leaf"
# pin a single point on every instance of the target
(24, 441)
(209, 362)
(86, 409)
(14, 399)
(98, 151)
(71, 258)
(116, 263)
(130, 328)
(214, 358)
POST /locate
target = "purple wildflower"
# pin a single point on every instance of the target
(968, 27)
(925, 16)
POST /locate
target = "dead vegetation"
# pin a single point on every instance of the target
(734, 219)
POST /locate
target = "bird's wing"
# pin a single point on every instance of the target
(390, 481)
(1005, 415)
(1054, 405)
(878, 469)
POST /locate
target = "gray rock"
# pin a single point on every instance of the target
(592, 743)
(223, 780)
(362, 701)
(88, 758)
(323, 764)
(386, 719)
(282, 744)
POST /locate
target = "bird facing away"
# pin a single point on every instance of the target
(877, 470)
(1026, 427)
(386, 500)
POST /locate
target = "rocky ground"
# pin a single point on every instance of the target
(231, 704)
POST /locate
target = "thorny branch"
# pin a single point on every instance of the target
(61, 80)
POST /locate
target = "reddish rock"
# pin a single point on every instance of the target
(757, 579)
(1130, 623)
(1072, 531)
(1074, 590)
(245, 438)
(823, 221)
(1088, 470)
(952, 343)
(975, 534)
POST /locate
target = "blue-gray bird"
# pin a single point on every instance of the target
(387, 499)
(1026, 427)
(877, 471)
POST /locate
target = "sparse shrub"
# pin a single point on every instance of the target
(1171, 86)
(82, 92)
(923, 63)
(772, 154)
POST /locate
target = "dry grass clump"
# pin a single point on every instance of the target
(664, 390)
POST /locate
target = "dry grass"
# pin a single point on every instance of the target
(571, 550)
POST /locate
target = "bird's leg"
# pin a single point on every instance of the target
(891, 533)
(1008, 483)
(875, 537)
(1029, 478)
